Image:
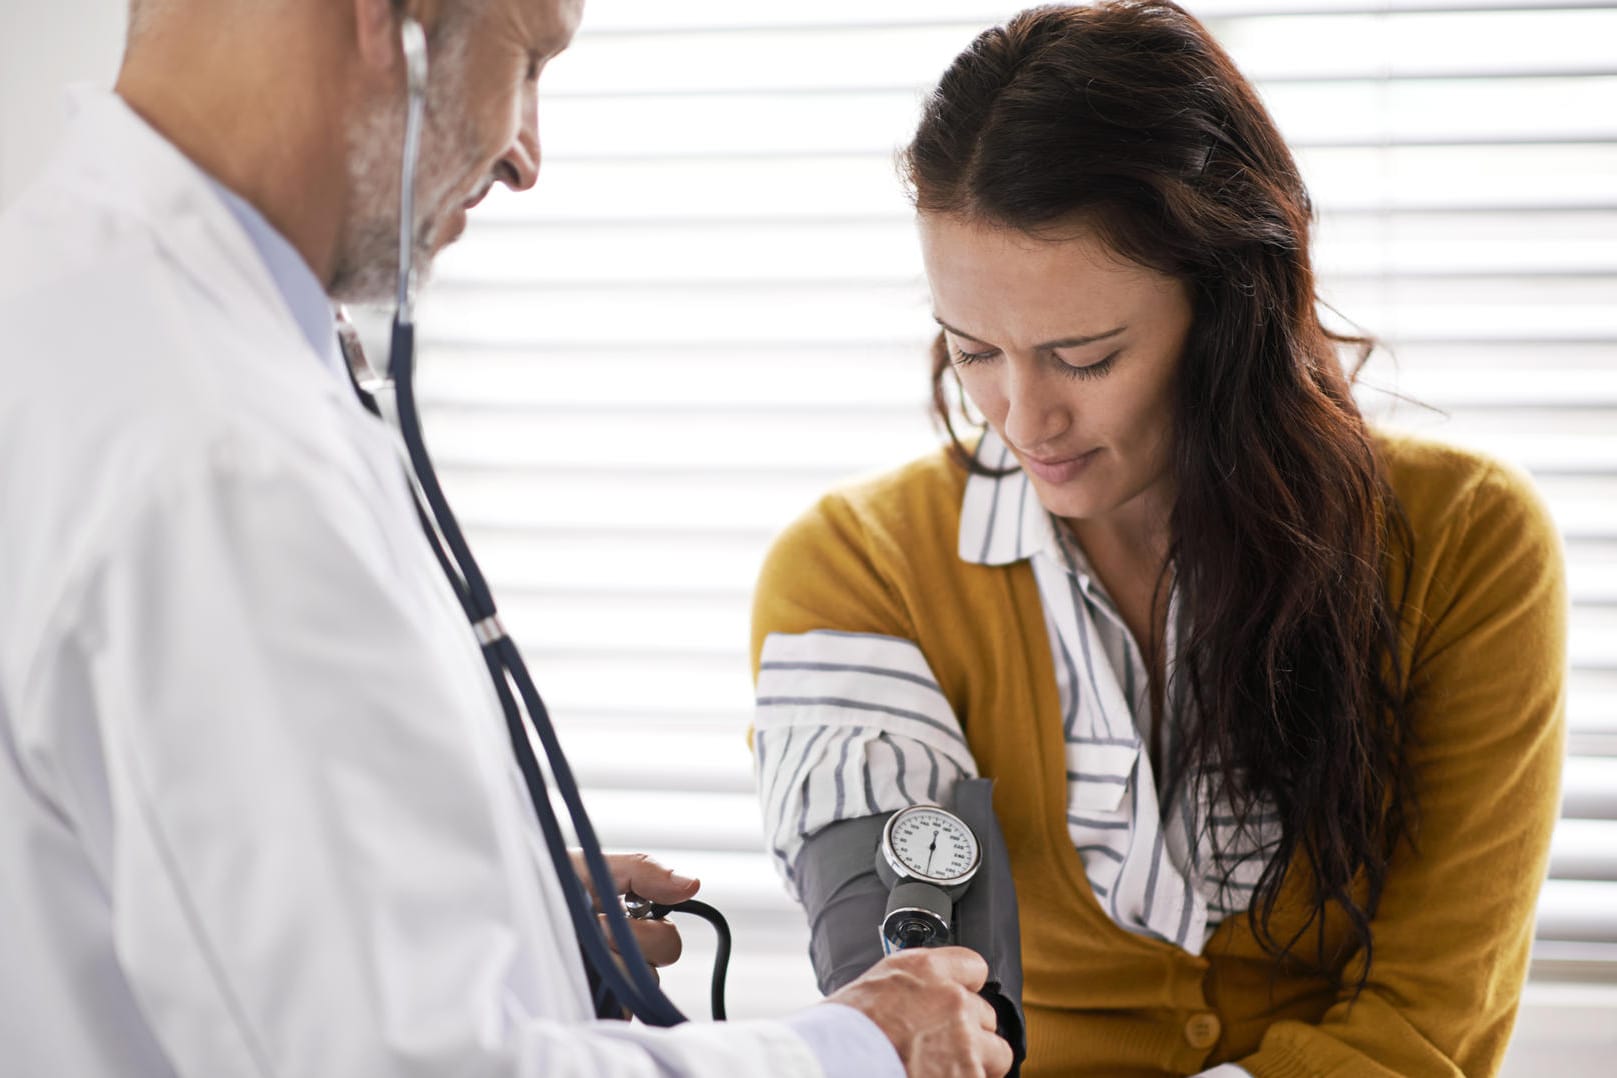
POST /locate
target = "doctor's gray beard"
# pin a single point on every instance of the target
(366, 266)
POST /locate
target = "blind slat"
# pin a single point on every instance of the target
(747, 16)
(1528, 110)
(1365, 46)
(627, 256)
(1379, 179)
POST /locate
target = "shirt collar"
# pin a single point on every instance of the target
(1003, 522)
(1001, 518)
(305, 297)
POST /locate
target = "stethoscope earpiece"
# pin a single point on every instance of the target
(413, 40)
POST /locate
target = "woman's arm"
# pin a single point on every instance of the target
(850, 720)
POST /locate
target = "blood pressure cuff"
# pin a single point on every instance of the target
(836, 875)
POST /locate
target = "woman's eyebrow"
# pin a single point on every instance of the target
(1065, 342)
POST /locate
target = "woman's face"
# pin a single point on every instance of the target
(1071, 353)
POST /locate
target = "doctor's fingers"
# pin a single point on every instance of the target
(650, 879)
(958, 1052)
(996, 1056)
(659, 941)
(638, 873)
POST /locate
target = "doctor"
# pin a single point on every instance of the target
(257, 810)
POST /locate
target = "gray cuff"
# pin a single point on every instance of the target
(845, 902)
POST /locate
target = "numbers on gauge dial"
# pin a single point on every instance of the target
(934, 844)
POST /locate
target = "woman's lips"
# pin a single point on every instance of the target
(1057, 469)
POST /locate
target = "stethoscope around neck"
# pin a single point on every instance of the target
(629, 985)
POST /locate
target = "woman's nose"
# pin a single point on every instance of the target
(1035, 414)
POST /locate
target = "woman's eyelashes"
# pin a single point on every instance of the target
(963, 358)
(1089, 370)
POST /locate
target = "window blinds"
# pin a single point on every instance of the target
(712, 309)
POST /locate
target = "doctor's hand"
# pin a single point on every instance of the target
(926, 1001)
(659, 940)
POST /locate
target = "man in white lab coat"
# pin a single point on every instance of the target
(257, 813)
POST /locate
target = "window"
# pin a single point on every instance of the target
(712, 308)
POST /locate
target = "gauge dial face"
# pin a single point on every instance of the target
(931, 844)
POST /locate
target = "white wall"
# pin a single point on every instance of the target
(45, 46)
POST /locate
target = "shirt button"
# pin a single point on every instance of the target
(1202, 1030)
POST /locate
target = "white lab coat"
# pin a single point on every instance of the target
(257, 815)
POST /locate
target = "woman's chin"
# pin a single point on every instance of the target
(1073, 500)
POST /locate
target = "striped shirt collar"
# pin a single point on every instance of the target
(1001, 518)
(1003, 522)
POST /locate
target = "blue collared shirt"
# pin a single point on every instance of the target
(302, 291)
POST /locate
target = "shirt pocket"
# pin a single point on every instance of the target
(1098, 775)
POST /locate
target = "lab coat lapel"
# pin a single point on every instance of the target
(191, 225)
(114, 157)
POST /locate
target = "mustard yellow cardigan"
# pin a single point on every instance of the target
(1484, 637)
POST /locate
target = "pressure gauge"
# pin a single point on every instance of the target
(926, 858)
(930, 844)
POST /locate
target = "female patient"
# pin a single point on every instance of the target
(1273, 699)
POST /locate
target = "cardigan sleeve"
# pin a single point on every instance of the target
(1455, 924)
(827, 571)
(850, 720)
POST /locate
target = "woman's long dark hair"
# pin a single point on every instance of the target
(1127, 116)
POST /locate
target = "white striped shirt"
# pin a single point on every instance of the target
(850, 725)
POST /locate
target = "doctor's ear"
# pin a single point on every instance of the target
(376, 28)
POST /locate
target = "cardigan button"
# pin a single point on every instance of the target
(1202, 1030)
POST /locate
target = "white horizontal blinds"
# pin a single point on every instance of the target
(712, 308)
(1480, 240)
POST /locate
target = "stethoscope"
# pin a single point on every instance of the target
(616, 987)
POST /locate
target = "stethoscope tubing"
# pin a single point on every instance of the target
(637, 991)
(630, 983)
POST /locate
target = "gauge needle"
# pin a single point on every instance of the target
(932, 851)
